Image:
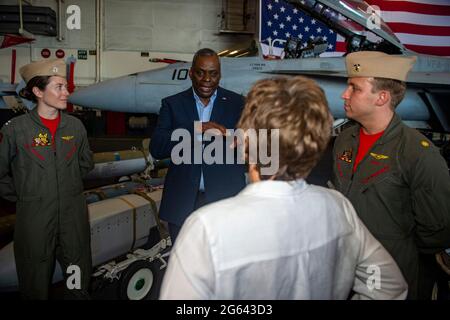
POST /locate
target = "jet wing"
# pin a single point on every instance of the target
(429, 78)
(320, 73)
(425, 79)
(7, 89)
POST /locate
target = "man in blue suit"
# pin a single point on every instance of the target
(189, 186)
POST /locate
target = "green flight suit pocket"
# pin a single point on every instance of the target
(30, 169)
(75, 229)
(72, 171)
(388, 208)
(33, 233)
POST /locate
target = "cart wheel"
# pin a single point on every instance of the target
(137, 281)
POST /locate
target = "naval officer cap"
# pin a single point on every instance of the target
(378, 65)
(52, 67)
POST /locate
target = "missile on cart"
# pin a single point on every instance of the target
(119, 163)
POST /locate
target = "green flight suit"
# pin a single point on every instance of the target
(51, 212)
(400, 190)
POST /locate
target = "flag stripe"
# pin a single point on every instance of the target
(438, 2)
(417, 39)
(341, 46)
(419, 29)
(437, 51)
(415, 18)
(421, 8)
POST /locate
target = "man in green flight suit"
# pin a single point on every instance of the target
(395, 178)
(44, 154)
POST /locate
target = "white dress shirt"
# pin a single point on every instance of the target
(204, 115)
(280, 240)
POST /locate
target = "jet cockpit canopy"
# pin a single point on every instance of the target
(358, 22)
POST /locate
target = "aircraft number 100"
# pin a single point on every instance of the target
(180, 74)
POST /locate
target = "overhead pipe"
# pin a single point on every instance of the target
(60, 26)
(98, 40)
(13, 66)
(20, 17)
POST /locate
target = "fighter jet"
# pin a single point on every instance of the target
(6, 91)
(9, 97)
(423, 106)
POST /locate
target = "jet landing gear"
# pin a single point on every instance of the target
(137, 276)
(137, 281)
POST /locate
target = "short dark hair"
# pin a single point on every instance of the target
(39, 81)
(202, 53)
(396, 88)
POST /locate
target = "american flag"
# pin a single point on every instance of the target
(280, 21)
(422, 26)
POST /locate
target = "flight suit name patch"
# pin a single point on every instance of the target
(41, 140)
(346, 156)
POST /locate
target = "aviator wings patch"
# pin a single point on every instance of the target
(379, 156)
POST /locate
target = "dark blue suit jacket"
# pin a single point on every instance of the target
(183, 180)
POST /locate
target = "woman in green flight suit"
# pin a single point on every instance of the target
(45, 153)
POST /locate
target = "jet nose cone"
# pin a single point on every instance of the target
(112, 95)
